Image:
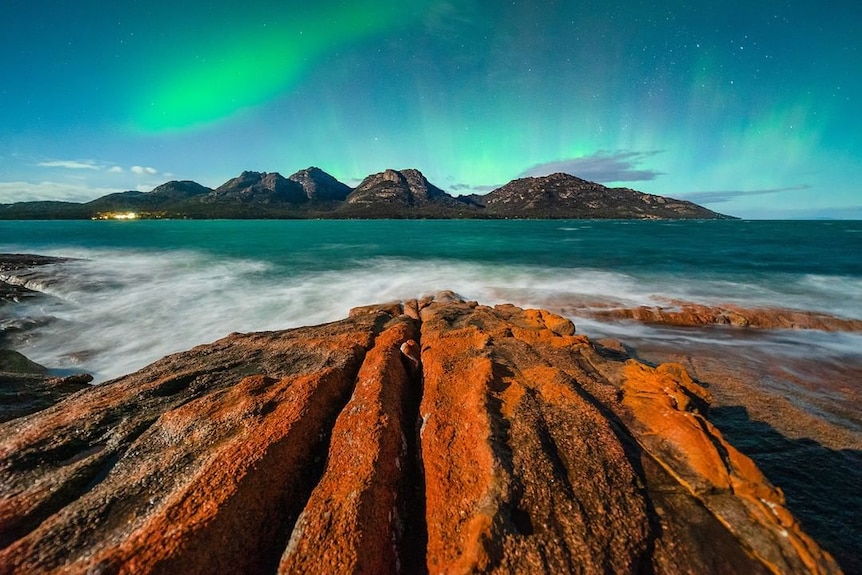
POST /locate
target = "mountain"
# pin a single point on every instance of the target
(404, 188)
(258, 188)
(403, 193)
(320, 186)
(564, 195)
(162, 197)
(312, 193)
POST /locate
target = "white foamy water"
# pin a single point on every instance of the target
(115, 311)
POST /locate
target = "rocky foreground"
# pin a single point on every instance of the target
(439, 436)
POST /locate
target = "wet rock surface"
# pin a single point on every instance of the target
(513, 444)
(14, 271)
(689, 314)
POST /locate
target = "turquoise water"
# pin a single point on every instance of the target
(142, 289)
(702, 247)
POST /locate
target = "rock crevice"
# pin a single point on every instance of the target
(434, 436)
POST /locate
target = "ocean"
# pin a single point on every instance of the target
(139, 290)
(136, 291)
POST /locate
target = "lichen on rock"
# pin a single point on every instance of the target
(510, 444)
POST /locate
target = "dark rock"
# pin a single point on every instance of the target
(566, 196)
(14, 362)
(259, 188)
(320, 186)
(26, 388)
(405, 188)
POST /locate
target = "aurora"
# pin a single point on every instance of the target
(750, 107)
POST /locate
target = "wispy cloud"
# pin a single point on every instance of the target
(70, 164)
(725, 196)
(98, 167)
(602, 166)
(11, 192)
(143, 170)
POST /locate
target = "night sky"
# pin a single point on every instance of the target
(749, 108)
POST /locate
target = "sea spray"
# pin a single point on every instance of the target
(137, 291)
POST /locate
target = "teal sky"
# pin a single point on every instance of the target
(749, 108)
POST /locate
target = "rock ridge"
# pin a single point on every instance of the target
(405, 193)
(511, 444)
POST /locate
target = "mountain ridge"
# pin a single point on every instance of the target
(405, 193)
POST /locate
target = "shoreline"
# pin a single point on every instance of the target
(746, 387)
(514, 411)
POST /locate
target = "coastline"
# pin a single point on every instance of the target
(515, 412)
(811, 457)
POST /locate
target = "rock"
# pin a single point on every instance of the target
(410, 350)
(517, 447)
(25, 387)
(259, 188)
(14, 362)
(563, 195)
(354, 520)
(611, 348)
(320, 186)
(687, 314)
(12, 288)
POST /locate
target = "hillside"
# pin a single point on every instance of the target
(312, 193)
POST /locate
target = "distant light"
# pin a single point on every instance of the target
(116, 216)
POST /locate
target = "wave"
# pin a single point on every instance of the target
(114, 311)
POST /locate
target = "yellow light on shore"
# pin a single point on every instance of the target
(126, 216)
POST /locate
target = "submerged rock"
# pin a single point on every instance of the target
(515, 445)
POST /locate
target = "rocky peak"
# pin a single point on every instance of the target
(564, 195)
(393, 176)
(318, 185)
(261, 187)
(407, 187)
(180, 189)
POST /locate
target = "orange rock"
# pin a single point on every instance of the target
(666, 423)
(515, 446)
(687, 314)
(353, 521)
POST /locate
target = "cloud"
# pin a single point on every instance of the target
(116, 170)
(141, 170)
(726, 196)
(70, 164)
(11, 192)
(602, 166)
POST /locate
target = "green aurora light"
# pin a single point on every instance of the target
(263, 62)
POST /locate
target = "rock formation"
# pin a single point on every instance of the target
(258, 188)
(510, 444)
(689, 314)
(549, 196)
(398, 193)
(312, 193)
(320, 186)
(26, 387)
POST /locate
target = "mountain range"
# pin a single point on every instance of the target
(312, 193)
